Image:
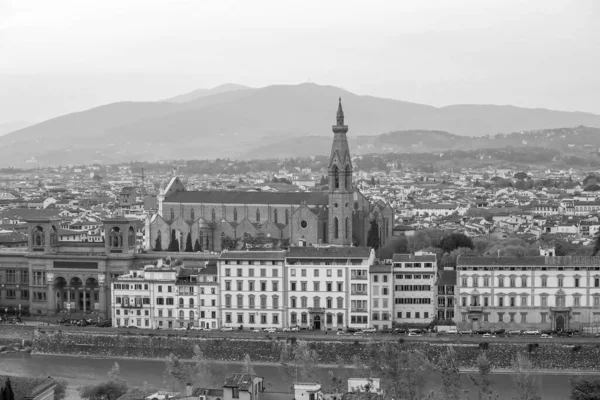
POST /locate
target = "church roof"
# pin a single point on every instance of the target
(238, 197)
(329, 252)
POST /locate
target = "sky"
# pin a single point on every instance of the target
(61, 56)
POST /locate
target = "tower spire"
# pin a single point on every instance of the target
(340, 114)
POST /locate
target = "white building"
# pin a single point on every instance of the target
(382, 296)
(251, 288)
(209, 298)
(540, 292)
(414, 279)
(328, 287)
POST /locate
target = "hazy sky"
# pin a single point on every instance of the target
(58, 56)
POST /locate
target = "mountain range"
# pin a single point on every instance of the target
(275, 121)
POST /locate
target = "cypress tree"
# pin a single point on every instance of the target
(197, 246)
(174, 245)
(188, 243)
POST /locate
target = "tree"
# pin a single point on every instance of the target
(300, 361)
(229, 243)
(483, 381)
(447, 366)
(247, 368)
(373, 181)
(197, 246)
(174, 245)
(111, 389)
(158, 244)
(520, 176)
(60, 390)
(373, 235)
(454, 241)
(177, 373)
(585, 389)
(188, 243)
(523, 379)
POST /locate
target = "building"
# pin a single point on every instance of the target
(414, 280)
(540, 292)
(341, 215)
(26, 388)
(327, 288)
(209, 297)
(243, 387)
(382, 296)
(251, 288)
(127, 196)
(446, 298)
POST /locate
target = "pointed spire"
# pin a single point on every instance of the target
(340, 114)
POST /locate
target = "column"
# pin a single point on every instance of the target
(84, 292)
(102, 302)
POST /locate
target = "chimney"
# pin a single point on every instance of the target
(188, 389)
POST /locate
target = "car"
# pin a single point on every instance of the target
(414, 334)
(488, 335)
(291, 329)
(466, 332)
(598, 335)
(483, 331)
(104, 324)
(342, 333)
(256, 330)
(269, 330)
(351, 330)
(545, 336)
(358, 333)
(385, 330)
(514, 332)
(180, 329)
(564, 334)
(398, 331)
(227, 329)
(452, 332)
(531, 332)
(501, 331)
(369, 330)
(197, 328)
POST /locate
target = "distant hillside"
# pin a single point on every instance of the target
(279, 120)
(199, 93)
(12, 126)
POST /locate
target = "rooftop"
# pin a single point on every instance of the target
(239, 197)
(252, 255)
(24, 387)
(329, 252)
(414, 258)
(240, 381)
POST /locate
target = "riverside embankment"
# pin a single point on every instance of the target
(267, 349)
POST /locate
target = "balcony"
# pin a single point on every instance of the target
(560, 309)
(359, 292)
(358, 310)
(316, 309)
(359, 277)
(132, 305)
(476, 309)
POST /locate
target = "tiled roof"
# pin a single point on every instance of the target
(237, 197)
(25, 213)
(207, 392)
(240, 381)
(211, 270)
(329, 252)
(380, 269)
(413, 258)
(24, 387)
(13, 237)
(530, 260)
(252, 255)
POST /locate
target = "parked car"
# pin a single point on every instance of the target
(104, 324)
(414, 334)
(501, 331)
(484, 331)
(351, 330)
(358, 333)
(531, 332)
(545, 336)
(342, 333)
(291, 329)
(452, 332)
(227, 329)
(385, 330)
(197, 328)
(256, 330)
(488, 335)
(514, 332)
(180, 329)
(564, 334)
(269, 330)
(369, 330)
(466, 332)
(598, 335)
(399, 331)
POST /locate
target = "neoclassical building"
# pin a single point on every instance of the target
(541, 292)
(341, 215)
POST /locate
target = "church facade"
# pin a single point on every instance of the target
(340, 216)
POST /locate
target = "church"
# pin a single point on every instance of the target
(341, 215)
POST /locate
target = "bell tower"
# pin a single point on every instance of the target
(341, 188)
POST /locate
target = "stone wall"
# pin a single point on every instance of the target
(546, 355)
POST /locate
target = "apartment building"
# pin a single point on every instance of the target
(446, 297)
(327, 288)
(208, 284)
(187, 293)
(414, 280)
(382, 296)
(251, 288)
(540, 292)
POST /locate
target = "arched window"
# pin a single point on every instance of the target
(275, 219)
(347, 228)
(172, 214)
(213, 215)
(38, 236)
(336, 177)
(192, 315)
(235, 214)
(335, 228)
(257, 215)
(115, 238)
(180, 302)
(131, 237)
(192, 214)
(348, 178)
(191, 302)
(181, 316)
(287, 217)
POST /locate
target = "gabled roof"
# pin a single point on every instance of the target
(329, 252)
(238, 197)
(240, 381)
(24, 387)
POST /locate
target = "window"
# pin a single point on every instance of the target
(417, 314)
(512, 317)
(523, 317)
(316, 273)
(328, 272)
(486, 301)
(24, 294)
(263, 319)
(464, 301)
(340, 273)
(304, 318)
(275, 286)
(576, 301)
(340, 302)
(227, 273)
(303, 272)
(292, 302)
(513, 301)
(293, 286)
(38, 278)
(329, 286)
(464, 282)
(239, 272)
(228, 301)
(523, 281)
(275, 273)
(340, 287)
(294, 318)
(316, 286)
(500, 301)
(524, 301)
(275, 302)
(303, 286)
(486, 282)
(475, 281)
(257, 215)
(263, 301)
(240, 286)
(160, 301)
(544, 300)
(228, 318)
(544, 281)
(544, 316)
(227, 285)
(576, 282)
(263, 286)
(560, 281)
(303, 302)
(251, 319)
(251, 272)
(316, 302)
(512, 281)
(250, 286)
(240, 318)
(10, 276)
(251, 301)
(263, 272)
(240, 301)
